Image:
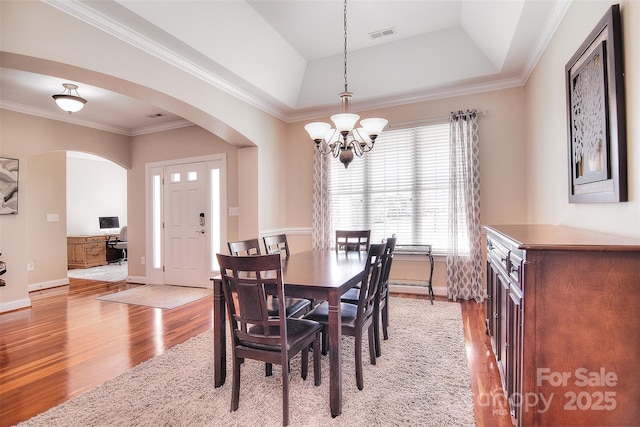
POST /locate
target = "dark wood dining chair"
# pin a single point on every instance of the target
(258, 335)
(353, 240)
(357, 318)
(383, 295)
(382, 302)
(277, 244)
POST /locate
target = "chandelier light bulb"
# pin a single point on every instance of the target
(373, 127)
(317, 130)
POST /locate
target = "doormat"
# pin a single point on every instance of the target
(159, 296)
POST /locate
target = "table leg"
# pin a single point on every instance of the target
(219, 335)
(335, 354)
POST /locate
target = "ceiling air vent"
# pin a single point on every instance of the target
(382, 33)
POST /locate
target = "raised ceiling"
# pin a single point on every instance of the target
(287, 55)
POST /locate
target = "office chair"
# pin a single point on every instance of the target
(119, 244)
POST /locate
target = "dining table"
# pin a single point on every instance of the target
(320, 275)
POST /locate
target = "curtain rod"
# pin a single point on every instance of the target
(426, 121)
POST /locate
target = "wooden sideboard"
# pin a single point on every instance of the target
(86, 251)
(563, 310)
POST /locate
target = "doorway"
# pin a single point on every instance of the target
(186, 202)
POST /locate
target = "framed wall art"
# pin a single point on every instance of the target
(596, 116)
(8, 186)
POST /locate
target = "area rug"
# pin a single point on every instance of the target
(103, 273)
(421, 379)
(159, 296)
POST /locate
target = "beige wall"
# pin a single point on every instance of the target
(46, 195)
(546, 143)
(248, 195)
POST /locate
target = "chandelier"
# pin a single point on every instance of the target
(68, 102)
(345, 140)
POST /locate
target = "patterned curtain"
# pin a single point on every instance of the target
(464, 255)
(321, 223)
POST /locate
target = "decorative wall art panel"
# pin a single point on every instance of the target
(596, 116)
(8, 186)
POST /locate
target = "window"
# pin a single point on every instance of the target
(401, 187)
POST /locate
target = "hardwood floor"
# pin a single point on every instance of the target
(68, 342)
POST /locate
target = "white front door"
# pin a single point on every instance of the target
(178, 191)
(185, 225)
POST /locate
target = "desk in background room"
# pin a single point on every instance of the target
(87, 251)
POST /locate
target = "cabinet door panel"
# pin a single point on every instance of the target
(513, 362)
(501, 332)
(491, 303)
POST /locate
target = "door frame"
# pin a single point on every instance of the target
(155, 275)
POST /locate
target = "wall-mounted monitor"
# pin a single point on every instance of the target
(109, 222)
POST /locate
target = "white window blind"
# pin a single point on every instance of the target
(401, 187)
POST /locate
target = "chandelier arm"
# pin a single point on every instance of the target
(336, 149)
(366, 148)
(330, 148)
(362, 141)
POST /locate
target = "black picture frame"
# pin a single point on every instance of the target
(9, 169)
(596, 125)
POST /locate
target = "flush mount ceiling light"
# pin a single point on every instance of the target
(68, 102)
(345, 140)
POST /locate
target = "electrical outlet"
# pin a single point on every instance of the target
(142, 260)
(30, 266)
(234, 211)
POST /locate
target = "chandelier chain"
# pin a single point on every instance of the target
(345, 46)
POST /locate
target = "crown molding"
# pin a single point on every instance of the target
(555, 18)
(70, 118)
(161, 127)
(85, 13)
(458, 90)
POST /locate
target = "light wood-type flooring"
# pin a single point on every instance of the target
(68, 343)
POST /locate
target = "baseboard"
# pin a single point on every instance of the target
(141, 280)
(15, 305)
(46, 285)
